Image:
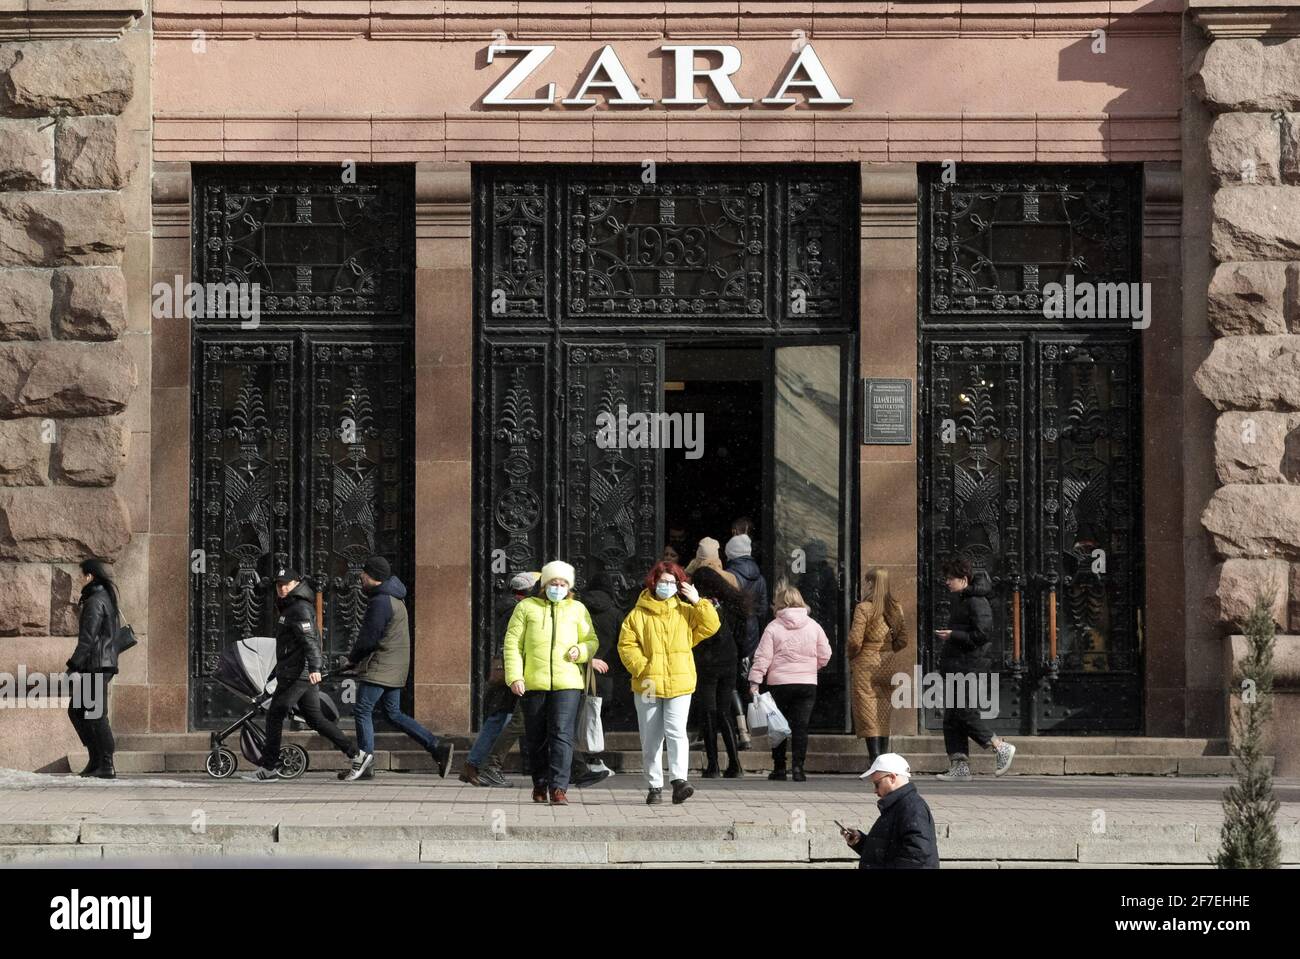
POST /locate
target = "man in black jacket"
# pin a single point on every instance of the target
(297, 674)
(903, 836)
(964, 657)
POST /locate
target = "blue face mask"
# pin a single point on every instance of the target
(556, 593)
(665, 590)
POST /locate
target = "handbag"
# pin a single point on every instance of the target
(124, 636)
(591, 734)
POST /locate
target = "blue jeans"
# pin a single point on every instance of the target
(492, 726)
(549, 720)
(390, 702)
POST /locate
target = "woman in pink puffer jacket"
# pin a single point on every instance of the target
(791, 651)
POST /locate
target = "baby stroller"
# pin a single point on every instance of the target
(247, 669)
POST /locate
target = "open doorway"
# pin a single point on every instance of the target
(723, 478)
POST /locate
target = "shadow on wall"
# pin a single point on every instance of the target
(1124, 60)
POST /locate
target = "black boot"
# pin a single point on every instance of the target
(778, 764)
(710, 724)
(884, 744)
(734, 769)
(105, 770)
(873, 747)
(91, 766)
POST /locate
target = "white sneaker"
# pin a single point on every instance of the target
(1006, 753)
(263, 775)
(360, 763)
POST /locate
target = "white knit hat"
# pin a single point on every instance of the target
(738, 546)
(558, 569)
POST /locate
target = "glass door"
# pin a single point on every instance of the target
(809, 413)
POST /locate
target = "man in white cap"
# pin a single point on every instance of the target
(903, 836)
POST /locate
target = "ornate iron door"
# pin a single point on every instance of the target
(1030, 437)
(303, 424)
(582, 275)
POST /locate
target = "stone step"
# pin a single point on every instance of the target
(817, 743)
(325, 757)
(790, 850)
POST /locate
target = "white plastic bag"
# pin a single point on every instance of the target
(591, 734)
(777, 727)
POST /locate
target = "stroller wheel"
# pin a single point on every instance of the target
(293, 761)
(221, 764)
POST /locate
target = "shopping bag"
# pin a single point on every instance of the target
(591, 734)
(777, 727)
(756, 717)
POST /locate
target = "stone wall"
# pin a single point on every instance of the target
(74, 322)
(1251, 83)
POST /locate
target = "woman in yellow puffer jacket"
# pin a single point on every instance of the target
(546, 640)
(655, 645)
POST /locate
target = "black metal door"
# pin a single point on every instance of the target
(302, 439)
(1030, 437)
(582, 274)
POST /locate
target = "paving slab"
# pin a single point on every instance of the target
(538, 852)
(742, 850)
(175, 833)
(47, 852)
(34, 833)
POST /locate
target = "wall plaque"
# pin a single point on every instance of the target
(887, 412)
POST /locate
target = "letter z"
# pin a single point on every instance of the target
(536, 54)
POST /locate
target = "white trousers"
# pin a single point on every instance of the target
(661, 719)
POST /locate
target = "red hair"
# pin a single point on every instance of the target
(661, 567)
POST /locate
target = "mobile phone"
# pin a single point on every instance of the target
(840, 824)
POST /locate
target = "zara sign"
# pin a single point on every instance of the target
(607, 74)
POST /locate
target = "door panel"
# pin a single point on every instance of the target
(808, 461)
(1057, 518)
(973, 500)
(611, 510)
(243, 499)
(1088, 534)
(359, 474)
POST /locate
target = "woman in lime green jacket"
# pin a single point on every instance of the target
(655, 644)
(548, 637)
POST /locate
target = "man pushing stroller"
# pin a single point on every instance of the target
(297, 676)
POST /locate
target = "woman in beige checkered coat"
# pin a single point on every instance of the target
(877, 633)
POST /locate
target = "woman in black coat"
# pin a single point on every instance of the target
(716, 660)
(94, 663)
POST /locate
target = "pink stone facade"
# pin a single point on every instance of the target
(402, 81)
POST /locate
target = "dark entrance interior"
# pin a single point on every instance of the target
(722, 478)
(702, 496)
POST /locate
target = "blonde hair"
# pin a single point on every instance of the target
(878, 577)
(786, 596)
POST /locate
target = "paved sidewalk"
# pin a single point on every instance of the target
(319, 798)
(418, 817)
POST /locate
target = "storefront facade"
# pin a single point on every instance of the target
(477, 227)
